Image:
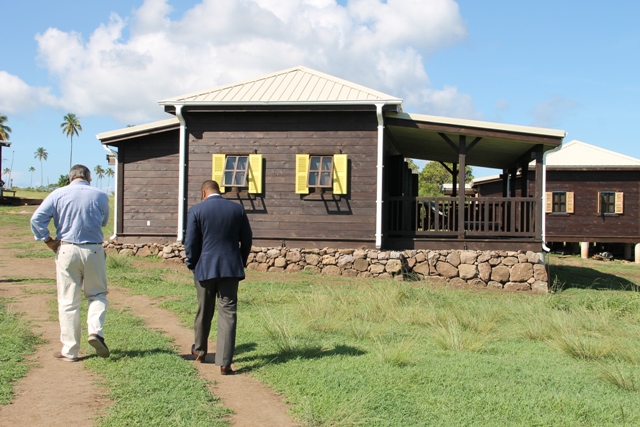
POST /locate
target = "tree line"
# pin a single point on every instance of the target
(70, 126)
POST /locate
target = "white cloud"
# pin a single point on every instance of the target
(380, 44)
(16, 95)
(446, 102)
(550, 113)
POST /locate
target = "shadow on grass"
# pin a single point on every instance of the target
(311, 352)
(117, 355)
(566, 277)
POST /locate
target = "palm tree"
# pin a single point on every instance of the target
(7, 172)
(109, 172)
(32, 170)
(41, 154)
(70, 126)
(4, 129)
(99, 172)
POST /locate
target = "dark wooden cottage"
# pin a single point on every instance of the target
(592, 199)
(318, 161)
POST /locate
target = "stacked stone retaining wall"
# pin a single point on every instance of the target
(515, 271)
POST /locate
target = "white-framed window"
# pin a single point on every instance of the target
(323, 172)
(239, 171)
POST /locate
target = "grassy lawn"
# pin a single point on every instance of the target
(382, 353)
(16, 341)
(350, 352)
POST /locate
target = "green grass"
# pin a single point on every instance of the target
(148, 382)
(16, 341)
(377, 353)
(347, 352)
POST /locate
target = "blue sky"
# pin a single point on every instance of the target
(566, 65)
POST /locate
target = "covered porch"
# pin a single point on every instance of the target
(463, 221)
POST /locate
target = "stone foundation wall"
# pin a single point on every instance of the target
(515, 271)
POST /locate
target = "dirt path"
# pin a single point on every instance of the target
(43, 396)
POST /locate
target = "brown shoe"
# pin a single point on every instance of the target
(64, 358)
(196, 355)
(97, 342)
(226, 370)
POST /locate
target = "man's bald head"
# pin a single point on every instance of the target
(209, 187)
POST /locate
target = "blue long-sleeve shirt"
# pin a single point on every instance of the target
(79, 212)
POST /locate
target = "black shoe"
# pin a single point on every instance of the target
(97, 342)
(196, 355)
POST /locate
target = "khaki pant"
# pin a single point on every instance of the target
(77, 265)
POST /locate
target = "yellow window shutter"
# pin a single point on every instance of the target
(217, 169)
(340, 169)
(302, 168)
(599, 201)
(619, 202)
(254, 178)
(569, 201)
(548, 202)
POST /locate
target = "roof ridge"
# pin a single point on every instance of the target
(255, 92)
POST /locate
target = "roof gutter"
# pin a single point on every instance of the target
(115, 193)
(379, 169)
(182, 173)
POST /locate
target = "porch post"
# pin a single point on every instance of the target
(524, 179)
(539, 194)
(454, 189)
(462, 153)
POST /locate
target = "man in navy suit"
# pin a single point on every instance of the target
(217, 245)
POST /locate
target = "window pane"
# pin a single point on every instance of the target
(228, 178)
(314, 165)
(231, 163)
(239, 179)
(326, 163)
(242, 163)
(325, 179)
(313, 178)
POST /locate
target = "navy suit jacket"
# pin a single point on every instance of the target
(218, 239)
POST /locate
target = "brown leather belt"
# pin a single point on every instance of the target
(80, 244)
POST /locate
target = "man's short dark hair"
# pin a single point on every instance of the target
(210, 185)
(79, 171)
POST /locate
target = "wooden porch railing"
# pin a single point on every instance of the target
(512, 217)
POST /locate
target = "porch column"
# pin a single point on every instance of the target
(627, 251)
(637, 253)
(584, 250)
(462, 154)
(539, 196)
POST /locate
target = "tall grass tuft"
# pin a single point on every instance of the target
(620, 375)
(121, 263)
(397, 354)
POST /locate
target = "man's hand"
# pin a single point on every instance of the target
(53, 244)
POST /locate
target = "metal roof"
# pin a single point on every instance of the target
(131, 131)
(578, 154)
(293, 86)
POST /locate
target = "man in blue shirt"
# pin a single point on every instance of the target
(79, 212)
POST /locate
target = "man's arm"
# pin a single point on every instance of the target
(246, 238)
(104, 204)
(40, 224)
(41, 219)
(192, 241)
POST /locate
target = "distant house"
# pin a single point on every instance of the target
(318, 161)
(592, 200)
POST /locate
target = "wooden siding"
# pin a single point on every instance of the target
(585, 224)
(279, 214)
(148, 188)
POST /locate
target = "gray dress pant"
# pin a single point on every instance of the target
(225, 289)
